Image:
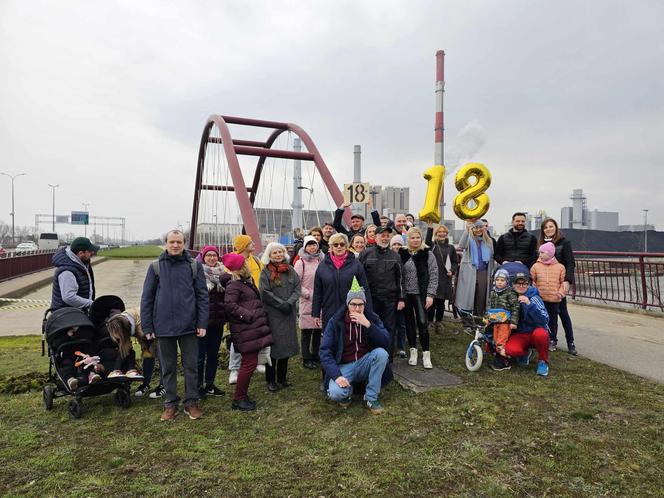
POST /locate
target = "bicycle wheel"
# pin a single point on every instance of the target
(474, 356)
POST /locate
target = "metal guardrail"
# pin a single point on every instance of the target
(14, 265)
(620, 277)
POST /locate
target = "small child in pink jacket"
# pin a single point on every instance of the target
(548, 276)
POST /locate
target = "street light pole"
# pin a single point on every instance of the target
(645, 231)
(53, 187)
(13, 177)
(85, 227)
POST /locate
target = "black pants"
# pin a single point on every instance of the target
(125, 364)
(208, 353)
(386, 309)
(416, 320)
(280, 367)
(435, 313)
(566, 321)
(310, 342)
(552, 310)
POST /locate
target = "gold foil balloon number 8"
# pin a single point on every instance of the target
(472, 201)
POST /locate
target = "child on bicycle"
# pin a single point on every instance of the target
(503, 312)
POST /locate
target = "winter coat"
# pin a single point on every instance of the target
(507, 300)
(565, 257)
(332, 344)
(306, 267)
(217, 310)
(247, 319)
(444, 252)
(467, 280)
(517, 246)
(384, 273)
(420, 272)
(349, 232)
(533, 315)
(174, 304)
(279, 302)
(66, 261)
(331, 286)
(549, 281)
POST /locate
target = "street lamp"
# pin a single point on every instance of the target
(645, 231)
(53, 187)
(85, 226)
(13, 177)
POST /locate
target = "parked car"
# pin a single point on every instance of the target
(48, 241)
(26, 247)
(3, 252)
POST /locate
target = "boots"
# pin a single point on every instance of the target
(412, 361)
(426, 359)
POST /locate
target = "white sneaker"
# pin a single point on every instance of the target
(412, 361)
(426, 359)
(232, 378)
(260, 369)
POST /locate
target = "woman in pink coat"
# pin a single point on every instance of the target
(309, 257)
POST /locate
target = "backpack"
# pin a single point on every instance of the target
(194, 268)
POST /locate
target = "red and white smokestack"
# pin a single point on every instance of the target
(439, 127)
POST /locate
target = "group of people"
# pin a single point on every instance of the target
(358, 295)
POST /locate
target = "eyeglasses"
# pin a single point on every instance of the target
(339, 244)
(521, 283)
(356, 305)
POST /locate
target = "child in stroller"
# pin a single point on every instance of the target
(71, 345)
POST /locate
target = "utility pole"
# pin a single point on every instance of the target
(645, 231)
(85, 227)
(13, 177)
(53, 187)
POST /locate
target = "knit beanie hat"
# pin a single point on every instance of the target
(309, 239)
(233, 261)
(501, 273)
(241, 242)
(356, 292)
(397, 239)
(548, 248)
(207, 249)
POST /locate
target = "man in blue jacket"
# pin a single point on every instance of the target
(354, 349)
(531, 332)
(174, 309)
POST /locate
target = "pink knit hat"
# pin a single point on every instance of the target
(548, 248)
(207, 249)
(233, 261)
(397, 239)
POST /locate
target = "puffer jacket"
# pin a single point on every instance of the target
(565, 257)
(384, 272)
(250, 331)
(549, 281)
(516, 246)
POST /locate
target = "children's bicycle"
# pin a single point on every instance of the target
(482, 342)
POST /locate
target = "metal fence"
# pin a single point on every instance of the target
(14, 265)
(620, 277)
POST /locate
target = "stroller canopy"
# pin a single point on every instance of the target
(101, 308)
(63, 319)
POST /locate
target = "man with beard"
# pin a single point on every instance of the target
(74, 281)
(383, 269)
(517, 244)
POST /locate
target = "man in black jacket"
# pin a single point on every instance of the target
(356, 221)
(517, 244)
(383, 269)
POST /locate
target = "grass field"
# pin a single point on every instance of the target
(586, 430)
(132, 252)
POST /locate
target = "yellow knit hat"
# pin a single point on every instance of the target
(240, 243)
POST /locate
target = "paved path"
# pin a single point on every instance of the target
(120, 277)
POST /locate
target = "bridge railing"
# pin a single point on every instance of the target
(14, 265)
(620, 277)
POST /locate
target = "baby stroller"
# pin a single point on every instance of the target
(55, 326)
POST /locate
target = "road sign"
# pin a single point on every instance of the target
(357, 193)
(80, 218)
(61, 220)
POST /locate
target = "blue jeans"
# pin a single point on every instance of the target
(369, 368)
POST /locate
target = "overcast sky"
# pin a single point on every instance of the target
(108, 99)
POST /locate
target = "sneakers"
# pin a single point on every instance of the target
(524, 360)
(426, 359)
(244, 405)
(542, 368)
(232, 377)
(158, 392)
(374, 406)
(169, 414)
(142, 391)
(402, 354)
(212, 390)
(115, 374)
(499, 363)
(309, 364)
(193, 411)
(260, 369)
(93, 378)
(412, 361)
(272, 387)
(72, 383)
(552, 346)
(345, 403)
(134, 374)
(571, 349)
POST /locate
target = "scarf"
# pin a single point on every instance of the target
(305, 256)
(475, 254)
(212, 274)
(550, 261)
(338, 261)
(276, 269)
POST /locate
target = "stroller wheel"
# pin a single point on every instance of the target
(474, 356)
(47, 394)
(75, 408)
(122, 398)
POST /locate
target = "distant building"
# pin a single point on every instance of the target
(577, 216)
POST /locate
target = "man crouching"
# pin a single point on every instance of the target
(354, 349)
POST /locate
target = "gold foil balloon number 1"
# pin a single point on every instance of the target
(431, 210)
(472, 202)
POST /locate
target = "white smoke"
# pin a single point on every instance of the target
(468, 142)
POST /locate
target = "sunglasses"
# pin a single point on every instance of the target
(339, 244)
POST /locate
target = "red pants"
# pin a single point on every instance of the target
(249, 362)
(519, 343)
